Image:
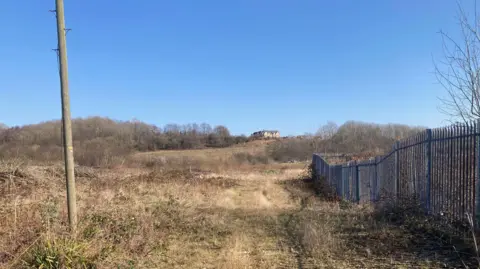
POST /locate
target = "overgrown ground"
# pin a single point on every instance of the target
(240, 216)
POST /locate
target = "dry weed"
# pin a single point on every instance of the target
(267, 216)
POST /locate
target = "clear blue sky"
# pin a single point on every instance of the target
(247, 64)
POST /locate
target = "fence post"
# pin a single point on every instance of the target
(375, 179)
(429, 167)
(342, 182)
(327, 170)
(372, 169)
(357, 182)
(339, 180)
(397, 169)
(348, 184)
(477, 179)
(320, 166)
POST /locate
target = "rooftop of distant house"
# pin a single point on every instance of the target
(267, 131)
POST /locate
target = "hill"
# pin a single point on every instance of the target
(360, 138)
(105, 142)
(102, 141)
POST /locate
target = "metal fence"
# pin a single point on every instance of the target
(439, 167)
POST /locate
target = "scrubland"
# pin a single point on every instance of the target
(210, 208)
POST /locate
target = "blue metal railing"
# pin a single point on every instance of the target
(439, 167)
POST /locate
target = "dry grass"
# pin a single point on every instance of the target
(265, 216)
(256, 147)
(238, 157)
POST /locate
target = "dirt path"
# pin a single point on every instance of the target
(247, 221)
(261, 210)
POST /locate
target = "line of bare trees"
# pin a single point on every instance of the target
(351, 137)
(97, 139)
(100, 140)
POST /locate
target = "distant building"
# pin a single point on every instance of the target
(266, 134)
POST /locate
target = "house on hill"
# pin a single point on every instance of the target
(266, 134)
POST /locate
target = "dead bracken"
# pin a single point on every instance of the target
(255, 216)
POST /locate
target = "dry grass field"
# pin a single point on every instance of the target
(204, 209)
(238, 157)
(253, 147)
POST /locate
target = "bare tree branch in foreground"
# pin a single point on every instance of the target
(459, 71)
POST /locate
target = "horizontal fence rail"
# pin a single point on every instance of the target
(439, 168)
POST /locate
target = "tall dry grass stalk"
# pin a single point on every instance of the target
(175, 213)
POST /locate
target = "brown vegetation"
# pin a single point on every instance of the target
(238, 216)
(105, 142)
(102, 142)
(233, 207)
(359, 138)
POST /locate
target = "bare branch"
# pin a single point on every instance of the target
(459, 72)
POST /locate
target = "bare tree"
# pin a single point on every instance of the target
(459, 71)
(328, 130)
(205, 128)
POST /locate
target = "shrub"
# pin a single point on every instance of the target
(243, 157)
(288, 150)
(52, 253)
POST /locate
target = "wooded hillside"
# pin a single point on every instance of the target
(97, 138)
(351, 137)
(100, 141)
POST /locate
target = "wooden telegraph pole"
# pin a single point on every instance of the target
(66, 118)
